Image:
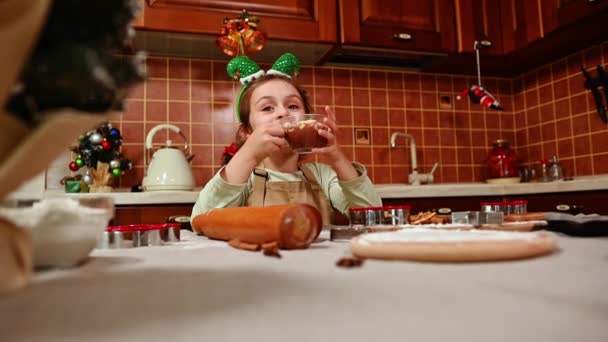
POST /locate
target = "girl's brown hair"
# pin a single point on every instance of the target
(245, 107)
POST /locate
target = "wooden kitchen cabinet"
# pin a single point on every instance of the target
(557, 14)
(592, 201)
(298, 20)
(134, 214)
(478, 20)
(395, 24)
(521, 23)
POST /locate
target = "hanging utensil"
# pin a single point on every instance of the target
(594, 85)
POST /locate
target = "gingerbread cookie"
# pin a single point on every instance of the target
(422, 217)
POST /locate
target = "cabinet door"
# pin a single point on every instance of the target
(521, 23)
(559, 13)
(151, 214)
(478, 20)
(299, 20)
(408, 25)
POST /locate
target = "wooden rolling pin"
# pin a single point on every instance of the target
(292, 226)
(539, 216)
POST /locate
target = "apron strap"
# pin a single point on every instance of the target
(323, 203)
(310, 177)
(256, 198)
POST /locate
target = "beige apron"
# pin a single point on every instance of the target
(264, 193)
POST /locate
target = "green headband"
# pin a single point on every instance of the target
(246, 71)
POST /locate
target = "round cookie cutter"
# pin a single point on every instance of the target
(139, 235)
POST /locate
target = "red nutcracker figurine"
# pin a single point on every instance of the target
(477, 93)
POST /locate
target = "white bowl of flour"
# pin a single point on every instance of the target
(63, 231)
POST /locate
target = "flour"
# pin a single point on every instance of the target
(416, 235)
(63, 231)
(52, 211)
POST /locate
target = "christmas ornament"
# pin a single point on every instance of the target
(116, 172)
(477, 93)
(246, 70)
(126, 165)
(106, 145)
(97, 148)
(73, 166)
(240, 37)
(87, 179)
(95, 138)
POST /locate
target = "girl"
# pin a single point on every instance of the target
(266, 171)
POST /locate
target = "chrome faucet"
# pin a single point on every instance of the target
(414, 177)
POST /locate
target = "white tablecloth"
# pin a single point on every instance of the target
(201, 290)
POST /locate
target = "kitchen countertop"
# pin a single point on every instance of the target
(202, 290)
(583, 183)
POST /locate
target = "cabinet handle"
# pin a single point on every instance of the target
(402, 36)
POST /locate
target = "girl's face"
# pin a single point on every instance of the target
(273, 100)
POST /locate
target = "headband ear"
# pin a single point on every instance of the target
(246, 70)
(243, 69)
(286, 65)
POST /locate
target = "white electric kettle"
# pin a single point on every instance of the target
(169, 167)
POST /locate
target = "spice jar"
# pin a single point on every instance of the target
(518, 207)
(396, 214)
(494, 207)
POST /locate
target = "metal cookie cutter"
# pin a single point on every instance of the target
(139, 235)
(345, 233)
(477, 218)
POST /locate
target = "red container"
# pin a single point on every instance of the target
(502, 161)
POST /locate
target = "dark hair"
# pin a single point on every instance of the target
(245, 107)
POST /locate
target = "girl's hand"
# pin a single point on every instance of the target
(332, 152)
(263, 141)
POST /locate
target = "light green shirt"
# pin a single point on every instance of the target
(359, 192)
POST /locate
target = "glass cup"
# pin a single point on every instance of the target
(302, 131)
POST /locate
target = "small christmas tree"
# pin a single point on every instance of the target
(99, 151)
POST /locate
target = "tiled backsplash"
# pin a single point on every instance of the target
(546, 111)
(556, 115)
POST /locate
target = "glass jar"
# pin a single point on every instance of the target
(396, 214)
(494, 207)
(518, 207)
(486, 207)
(543, 173)
(365, 216)
(501, 161)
